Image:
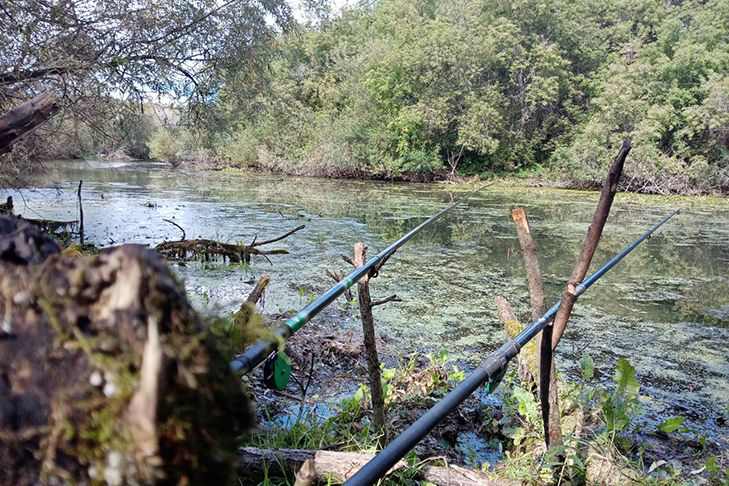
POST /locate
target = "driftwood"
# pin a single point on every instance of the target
(108, 374)
(24, 118)
(548, 391)
(337, 467)
(210, 249)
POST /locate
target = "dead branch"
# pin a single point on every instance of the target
(592, 239)
(177, 226)
(207, 250)
(80, 215)
(259, 289)
(392, 298)
(340, 466)
(348, 260)
(279, 238)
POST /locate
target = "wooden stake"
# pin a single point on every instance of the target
(80, 215)
(548, 391)
(594, 233)
(368, 329)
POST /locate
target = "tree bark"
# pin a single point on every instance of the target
(368, 329)
(105, 366)
(258, 290)
(340, 466)
(527, 365)
(594, 232)
(24, 118)
(548, 391)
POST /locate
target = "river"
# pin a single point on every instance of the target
(665, 308)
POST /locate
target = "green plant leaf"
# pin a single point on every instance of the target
(625, 379)
(671, 425)
(588, 367)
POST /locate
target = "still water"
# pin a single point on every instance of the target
(665, 308)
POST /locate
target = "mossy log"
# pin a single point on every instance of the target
(202, 249)
(107, 375)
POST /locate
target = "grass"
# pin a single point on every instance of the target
(597, 427)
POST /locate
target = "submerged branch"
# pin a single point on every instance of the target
(207, 250)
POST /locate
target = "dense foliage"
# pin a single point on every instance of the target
(102, 60)
(426, 88)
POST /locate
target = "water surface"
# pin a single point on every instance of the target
(665, 308)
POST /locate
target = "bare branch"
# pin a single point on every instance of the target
(392, 298)
(178, 227)
(592, 239)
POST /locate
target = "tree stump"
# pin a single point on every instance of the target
(106, 372)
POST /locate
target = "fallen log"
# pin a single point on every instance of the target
(337, 467)
(52, 226)
(206, 250)
(107, 374)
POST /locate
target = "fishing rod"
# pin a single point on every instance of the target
(265, 349)
(491, 370)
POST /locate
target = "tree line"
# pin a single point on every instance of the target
(430, 88)
(414, 89)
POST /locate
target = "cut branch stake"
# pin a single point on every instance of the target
(368, 330)
(594, 233)
(80, 215)
(548, 391)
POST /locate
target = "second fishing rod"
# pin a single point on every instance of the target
(262, 349)
(491, 371)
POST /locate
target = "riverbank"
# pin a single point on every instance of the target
(326, 407)
(533, 178)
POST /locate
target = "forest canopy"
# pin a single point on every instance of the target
(428, 87)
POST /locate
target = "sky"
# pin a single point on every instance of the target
(337, 4)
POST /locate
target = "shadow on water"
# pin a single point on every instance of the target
(665, 308)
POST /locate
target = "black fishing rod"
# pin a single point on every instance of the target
(491, 370)
(263, 348)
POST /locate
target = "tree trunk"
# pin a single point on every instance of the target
(368, 329)
(106, 371)
(21, 120)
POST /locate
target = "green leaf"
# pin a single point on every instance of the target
(625, 379)
(712, 467)
(588, 367)
(671, 425)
